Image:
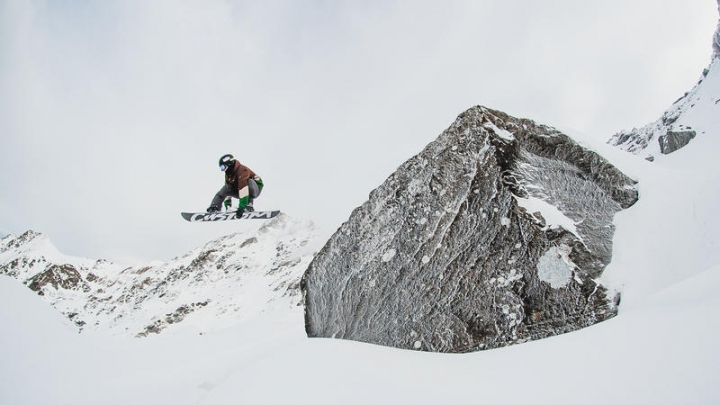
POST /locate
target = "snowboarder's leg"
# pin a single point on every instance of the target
(248, 194)
(245, 199)
(225, 192)
(253, 188)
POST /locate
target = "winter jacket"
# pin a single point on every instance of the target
(238, 176)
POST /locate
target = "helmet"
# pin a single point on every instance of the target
(226, 161)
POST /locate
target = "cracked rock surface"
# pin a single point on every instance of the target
(493, 235)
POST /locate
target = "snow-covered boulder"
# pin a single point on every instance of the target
(494, 234)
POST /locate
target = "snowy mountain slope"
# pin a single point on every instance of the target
(45, 360)
(660, 349)
(695, 114)
(671, 233)
(679, 199)
(210, 287)
(662, 352)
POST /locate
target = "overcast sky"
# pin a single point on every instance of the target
(113, 114)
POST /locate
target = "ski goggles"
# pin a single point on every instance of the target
(226, 162)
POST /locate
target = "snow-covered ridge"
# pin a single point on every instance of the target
(230, 278)
(696, 113)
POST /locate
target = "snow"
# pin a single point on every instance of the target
(502, 133)
(553, 216)
(697, 111)
(660, 352)
(661, 348)
(555, 266)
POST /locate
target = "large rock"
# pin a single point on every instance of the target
(674, 140)
(492, 235)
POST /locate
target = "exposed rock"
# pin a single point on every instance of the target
(58, 277)
(175, 317)
(9, 243)
(674, 140)
(492, 235)
(672, 131)
(220, 282)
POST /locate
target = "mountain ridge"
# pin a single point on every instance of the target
(694, 114)
(232, 277)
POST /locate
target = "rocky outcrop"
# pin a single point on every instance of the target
(684, 120)
(175, 317)
(225, 280)
(493, 235)
(674, 140)
(58, 277)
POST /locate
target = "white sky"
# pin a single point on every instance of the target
(113, 114)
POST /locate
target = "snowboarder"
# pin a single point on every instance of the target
(240, 182)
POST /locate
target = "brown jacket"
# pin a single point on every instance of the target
(239, 175)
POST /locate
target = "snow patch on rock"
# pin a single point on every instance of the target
(554, 218)
(555, 266)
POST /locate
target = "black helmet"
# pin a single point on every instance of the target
(226, 161)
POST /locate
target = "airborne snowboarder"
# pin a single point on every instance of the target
(240, 182)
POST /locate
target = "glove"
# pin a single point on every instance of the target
(213, 208)
(227, 203)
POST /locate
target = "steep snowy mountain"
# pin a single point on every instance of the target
(697, 113)
(227, 279)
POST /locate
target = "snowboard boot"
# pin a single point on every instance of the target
(243, 210)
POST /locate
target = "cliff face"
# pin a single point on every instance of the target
(492, 235)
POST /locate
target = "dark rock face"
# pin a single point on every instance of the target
(492, 235)
(675, 140)
(58, 276)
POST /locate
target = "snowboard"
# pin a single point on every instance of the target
(227, 215)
